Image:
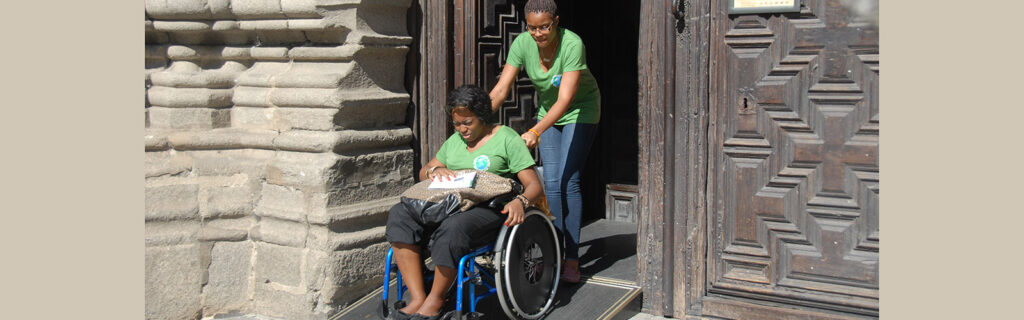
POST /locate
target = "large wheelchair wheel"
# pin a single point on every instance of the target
(528, 260)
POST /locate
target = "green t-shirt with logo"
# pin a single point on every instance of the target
(571, 56)
(505, 154)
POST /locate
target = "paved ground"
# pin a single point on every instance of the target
(632, 316)
(607, 250)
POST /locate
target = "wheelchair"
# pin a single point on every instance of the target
(525, 262)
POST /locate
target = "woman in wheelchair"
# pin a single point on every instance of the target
(478, 143)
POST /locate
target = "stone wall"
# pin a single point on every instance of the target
(275, 143)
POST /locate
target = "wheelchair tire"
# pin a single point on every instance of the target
(528, 262)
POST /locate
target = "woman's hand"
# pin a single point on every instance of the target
(531, 139)
(442, 173)
(516, 213)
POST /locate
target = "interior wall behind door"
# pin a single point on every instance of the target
(609, 30)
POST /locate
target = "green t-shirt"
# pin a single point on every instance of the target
(571, 56)
(504, 154)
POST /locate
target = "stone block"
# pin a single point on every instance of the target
(252, 163)
(358, 214)
(371, 108)
(228, 201)
(257, 97)
(155, 140)
(311, 57)
(308, 141)
(224, 138)
(256, 8)
(332, 35)
(188, 118)
(373, 175)
(281, 232)
(340, 241)
(227, 229)
(179, 9)
(385, 20)
(255, 118)
(281, 202)
(299, 8)
(305, 98)
(384, 138)
(354, 273)
(273, 301)
(308, 23)
(167, 163)
(271, 25)
(171, 233)
(315, 269)
(307, 118)
(278, 264)
(326, 75)
(182, 26)
(344, 141)
(308, 171)
(216, 79)
(173, 282)
(172, 202)
(189, 97)
(271, 53)
(281, 37)
(230, 278)
(384, 66)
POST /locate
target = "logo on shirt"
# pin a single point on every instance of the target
(482, 162)
(556, 80)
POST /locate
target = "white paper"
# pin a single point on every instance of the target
(462, 180)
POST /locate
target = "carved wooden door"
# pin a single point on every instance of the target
(484, 39)
(794, 159)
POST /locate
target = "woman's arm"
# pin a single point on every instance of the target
(439, 169)
(515, 209)
(566, 92)
(500, 90)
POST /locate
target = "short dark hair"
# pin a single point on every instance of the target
(473, 98)
(542, 6)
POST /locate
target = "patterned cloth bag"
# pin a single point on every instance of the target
(434, 205)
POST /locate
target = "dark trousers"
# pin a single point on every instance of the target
(453, 238)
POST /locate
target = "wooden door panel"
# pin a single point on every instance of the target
(501, 21)
(795, 198)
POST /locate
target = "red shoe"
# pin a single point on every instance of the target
(570, 275)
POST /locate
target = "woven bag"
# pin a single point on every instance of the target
(434, 205)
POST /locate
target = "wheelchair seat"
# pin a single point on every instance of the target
(524, 273)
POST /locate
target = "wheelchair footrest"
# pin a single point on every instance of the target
(456, 315)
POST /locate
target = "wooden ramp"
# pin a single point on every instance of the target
(608, 263)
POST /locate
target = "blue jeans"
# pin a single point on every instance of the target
(563, 150)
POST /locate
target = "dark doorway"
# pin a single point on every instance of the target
(610, 31)
(466, 42)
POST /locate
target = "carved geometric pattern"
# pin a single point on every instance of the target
(502, 22)
(797, 196)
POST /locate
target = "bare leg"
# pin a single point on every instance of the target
(443, 278)
(407, 257)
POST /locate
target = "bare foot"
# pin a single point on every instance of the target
(430, 307)
(412, 306)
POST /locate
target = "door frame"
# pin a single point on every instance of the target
(673, 66)
(674, 129)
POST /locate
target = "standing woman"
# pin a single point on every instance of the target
(570, 107)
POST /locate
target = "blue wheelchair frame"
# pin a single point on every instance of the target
(469, 273)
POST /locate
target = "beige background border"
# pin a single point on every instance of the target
(72, 228)
(951, 163)
(71, 222)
